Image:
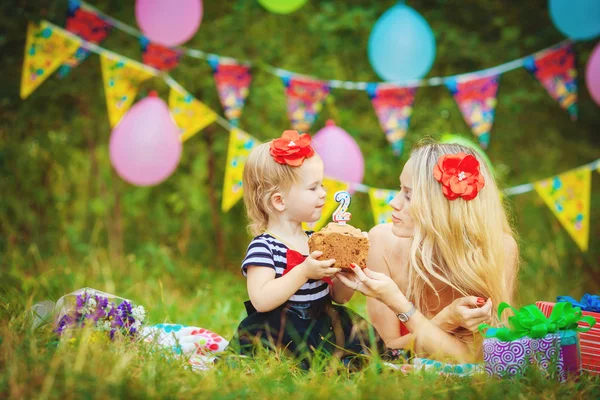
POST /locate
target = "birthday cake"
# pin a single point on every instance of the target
(345, 243)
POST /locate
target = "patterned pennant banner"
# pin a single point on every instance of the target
(158, 56)
(240, 145)
(190, 115)
(89, 26)
(555, 70)
(232, 80)
(476, 99)
(304, 101)
(568, 196)
(331, 187)
(380, 204)
(46, 48)
(122, 78)
(393, 106)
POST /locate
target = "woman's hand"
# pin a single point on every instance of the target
(370, 283)
(467, 312)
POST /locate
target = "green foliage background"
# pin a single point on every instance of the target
(61, 199)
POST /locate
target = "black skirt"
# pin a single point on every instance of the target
(303, 329)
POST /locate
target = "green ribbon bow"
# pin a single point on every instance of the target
(530, 321)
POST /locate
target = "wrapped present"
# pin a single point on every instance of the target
(531, 338)
(590, 339)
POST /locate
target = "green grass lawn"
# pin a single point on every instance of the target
(33, 367)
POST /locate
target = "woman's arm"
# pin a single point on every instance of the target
(340, 293)
(428, 338)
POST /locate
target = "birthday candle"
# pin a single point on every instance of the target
(341, 214)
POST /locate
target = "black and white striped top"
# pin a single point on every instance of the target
(267, 251)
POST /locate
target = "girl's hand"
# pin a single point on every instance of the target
(317, 269)
(370, 283)
(467, 312)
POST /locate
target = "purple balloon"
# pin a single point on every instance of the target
(341, 155)
(592, 74)
(145, 147)
(168, 22)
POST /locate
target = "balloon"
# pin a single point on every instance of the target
(401, 45)
(145, 147)
(282, 6)
(577, 19)
(341, 155)
(450, 138)
(168, 22)
(592, 74)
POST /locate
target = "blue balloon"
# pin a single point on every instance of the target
(576, 19)
(401, 45)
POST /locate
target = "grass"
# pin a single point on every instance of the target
(32, 367)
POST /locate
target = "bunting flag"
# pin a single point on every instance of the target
(89, 26)
(331, 187)
(45, 49)
(476, 99)
(159, 56)
(393, 106)
(240, 145)
(568, 196)
(190, 114)
(232, 80)
(380, 204)
(555, 70)
(122, 78)
(304, 101)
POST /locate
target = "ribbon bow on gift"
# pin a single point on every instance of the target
(294, 258)
(530, 321)
(589, 302)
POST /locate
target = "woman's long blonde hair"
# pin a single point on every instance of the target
(262, 178)
(460, 243)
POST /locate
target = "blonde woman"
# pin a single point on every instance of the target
(447, 259)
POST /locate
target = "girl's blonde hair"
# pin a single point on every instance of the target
(261, 179)
(460, 243)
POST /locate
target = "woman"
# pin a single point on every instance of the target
(445, 261)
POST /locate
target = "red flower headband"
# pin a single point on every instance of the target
(291, 148)
(459, 175)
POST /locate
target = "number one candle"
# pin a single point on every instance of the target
(341, 214)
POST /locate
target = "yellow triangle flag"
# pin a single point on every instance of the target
(331, 187)
(122, 78)
(380, 204)
(568, 196)
(45, 50)
(190, 115)
(240, 145)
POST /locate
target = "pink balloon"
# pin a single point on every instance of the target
(341, 155)
(145, 147)
(592, 74)
(168, 22)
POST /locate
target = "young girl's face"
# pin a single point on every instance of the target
(305, 199)
(402, 223)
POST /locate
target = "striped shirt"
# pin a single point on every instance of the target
(267, 251)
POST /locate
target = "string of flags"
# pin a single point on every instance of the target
(49, 46)
(474, 92)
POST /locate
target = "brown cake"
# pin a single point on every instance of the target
(345, 243)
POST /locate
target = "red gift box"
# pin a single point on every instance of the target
(589, 341)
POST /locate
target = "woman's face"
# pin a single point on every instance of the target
(402, 223)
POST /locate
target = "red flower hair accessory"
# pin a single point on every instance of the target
(291, 148)
(459, 175)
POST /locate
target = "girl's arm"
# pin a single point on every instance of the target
(340, 293)
(267, 293)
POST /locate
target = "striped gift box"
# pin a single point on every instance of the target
(589, 341)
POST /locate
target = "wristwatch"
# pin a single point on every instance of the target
(405, 316)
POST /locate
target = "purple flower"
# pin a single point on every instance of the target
(63, 323)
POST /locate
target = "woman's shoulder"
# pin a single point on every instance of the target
(382, 237)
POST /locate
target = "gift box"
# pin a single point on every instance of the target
(590, 339)
(531, 339)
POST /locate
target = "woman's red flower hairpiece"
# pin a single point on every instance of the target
(459, 175)
(291, 148)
